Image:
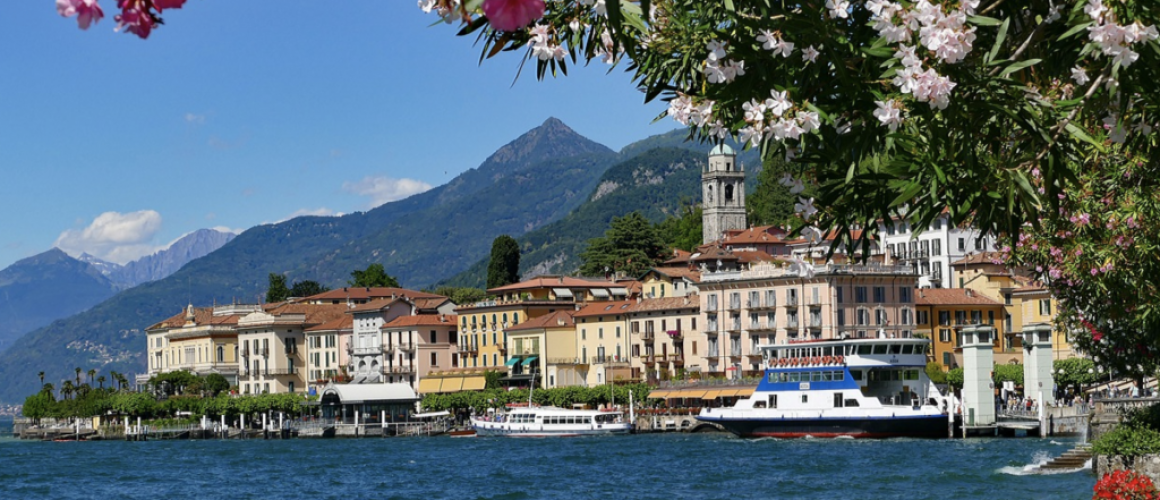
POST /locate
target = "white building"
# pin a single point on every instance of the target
(930, 251)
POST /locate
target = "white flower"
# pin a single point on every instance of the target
(906, 55)
(778, 104)
(838, 8)
(808, 120)
(875, 6)
(841, 126)
(713, 72)
(716, 50)
(751, 135)
(1079, 75)
(889, 114)
(786, 180)
(805, 208)
(754, 111)
(1095, 9)
(797, 187)
(790, 155)
(768, 39)
(809, 54)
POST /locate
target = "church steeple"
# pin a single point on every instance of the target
(723, 194)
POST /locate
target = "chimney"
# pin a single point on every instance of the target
(560, 321)
(969, 292)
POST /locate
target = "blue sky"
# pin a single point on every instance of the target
(237, 113)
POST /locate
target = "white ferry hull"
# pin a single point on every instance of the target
(506, 429)
(919, 426)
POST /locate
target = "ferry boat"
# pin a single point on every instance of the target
(861, 388)
(550, 421)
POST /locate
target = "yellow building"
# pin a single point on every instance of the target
(941, 313)
(543, 350)
(602, 343)
(483, 339)
(670, 281)
(199, 340)
(1038, 306)
(666, 342)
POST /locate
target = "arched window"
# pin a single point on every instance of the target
(515, 317)
(728, 192)
(505, 317)
(221, 354)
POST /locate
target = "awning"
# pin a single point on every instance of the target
(711, 395)
(512, 362)
(600, 293)
(429, 385)
(562, 292)
(690, 394)
(530, 359)
(745, 392)
(619, 291)
(659, 394)
(474, 383)
(432, 414)
(452, 384)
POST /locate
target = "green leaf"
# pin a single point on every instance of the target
(729, 6)
(1002, 36)
(984, 21)
(1079, 133)
(1076, 29)
(878, 51)
(1018, 66)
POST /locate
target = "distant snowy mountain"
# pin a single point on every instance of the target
(163, 263)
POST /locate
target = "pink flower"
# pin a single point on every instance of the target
(87, 11)
(167, 4)
(511, 15)
(135, 21)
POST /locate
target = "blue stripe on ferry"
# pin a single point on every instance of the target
(814, 419)
(847, 383)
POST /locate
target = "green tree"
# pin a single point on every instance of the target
(632, 246)
(683, 232)
(1013, 373)
(276, 290)
(39, 405)
(771, 202)
(934, 371)
(374, 276)
(1075, 373)
(504, 266)
(461, 295)
(307, 288)
(955, 378)
(215, 383)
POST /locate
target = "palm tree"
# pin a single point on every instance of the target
(122, 380)
(112, 378)
(78, 375)
(101, 381)
(48, 388)
(92, 373)
(66, 388)
(41, 378)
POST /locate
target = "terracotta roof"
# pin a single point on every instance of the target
(606, 308)
(951, 297)
(667, 304)
(423, 320)
(552, 320)
(992, 258)
(316, 314)
(748, 256)
(554, 282)
(360, 293)
(680, 272)
(429, 302)
(346, 322)
(711, 252)
(1032, 286)
(376, 305)
(755, 235)
(679, 257)
(831, 236)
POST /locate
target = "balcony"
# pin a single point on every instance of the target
(647, 335)
(713, 353)
(465, 347)
(404, 347)
(649, 360)
(762, 327)
(245, 353)
(264, 352)
(736, 353)
(791, 301)
(711, 327)
(365, 351)
(563, 361)
(397, 370)
(677, 359)
(291, 350)
(791, 324)
(711, 307)
(676, 335)
(502, 348)
(733, 306)
(281, 371)
(735, 326)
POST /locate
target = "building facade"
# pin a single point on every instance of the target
(929, 251)
(944, 313)
(723, 194)
(415, 346)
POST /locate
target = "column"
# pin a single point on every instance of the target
(978, 361)
(1037, 362)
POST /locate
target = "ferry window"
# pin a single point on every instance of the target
(895, 348)
(773, 401)
(839, 376)
(910, 375)
(827, 376)
(783, 377)
(880, 349)
(818, 376)
(805, 398)
(851, 402)
(856, 374)
(795, 377)
(895, 375)
(772, 378)
(837, 400)
(908, 349)
(864, 349)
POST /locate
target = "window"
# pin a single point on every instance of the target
(838, 294)
(291, 386)
(862, 316)
(600, 333)
(1045, 307)
(880, 316)
(860, 294)
(618, 332)
(434, 359)
(962, 245)
(712, 302)
(947, 359)
(944, 335)
(904, 295)
(879, 294)
(1007, 322)
(905, 316)
(583, 334)
(770, 299)
(221, 354)
(960, 317)
(976, 317)
(1007, 299)
(841, 317)
(936, 247)
(991, 318)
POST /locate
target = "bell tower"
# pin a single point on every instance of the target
(722, 194)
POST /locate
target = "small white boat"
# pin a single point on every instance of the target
(550, 421)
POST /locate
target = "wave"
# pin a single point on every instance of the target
(1038, 460)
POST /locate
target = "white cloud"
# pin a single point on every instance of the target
(384, 189)
(194, 119)
(114, 236)
(304, 212)
(224, 229)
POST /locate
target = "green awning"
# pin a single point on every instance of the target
(512, 362)
(529, 360)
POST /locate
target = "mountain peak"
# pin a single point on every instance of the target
(553, 122)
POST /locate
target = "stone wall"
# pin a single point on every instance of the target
(1149, 465)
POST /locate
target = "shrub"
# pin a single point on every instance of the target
(1128, 440)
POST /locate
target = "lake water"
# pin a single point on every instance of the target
(652, 466)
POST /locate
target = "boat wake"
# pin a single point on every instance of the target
(1038, 460)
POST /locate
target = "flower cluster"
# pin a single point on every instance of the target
(511, 15)
(1115, 40)
(718, 68)
(927, 86)
(1125, 485)
(770, 119)
(448, 10)
(138, 17)
(542, 46)
(889, 113)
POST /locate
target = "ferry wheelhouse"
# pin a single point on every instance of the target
(550, 421)
(862, 388)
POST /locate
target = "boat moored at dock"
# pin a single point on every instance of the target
(861, 388)
(548, 421)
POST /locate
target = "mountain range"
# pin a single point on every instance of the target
(40, 289)
(546, 178)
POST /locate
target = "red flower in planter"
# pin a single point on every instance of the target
(1125, 485)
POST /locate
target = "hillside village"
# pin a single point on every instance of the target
(697, 315)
